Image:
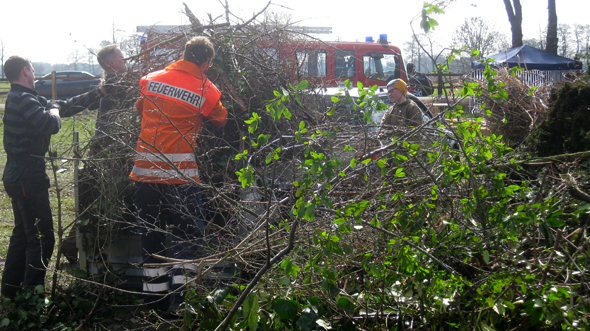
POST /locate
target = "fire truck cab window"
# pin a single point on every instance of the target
(311, 63)
(344, 64)
(384, 67)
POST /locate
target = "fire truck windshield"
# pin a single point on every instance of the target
(380, 66)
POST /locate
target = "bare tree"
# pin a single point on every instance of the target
(412, 50)
(565, 40)
(476, 33)
(582, 37)
(514, 11)
(2, 52)
(542, 37)
(74, 58)
(552, 40)
(416, 55)
(91, 53)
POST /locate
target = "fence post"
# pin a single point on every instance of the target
(79, 242)
(440, 84)
(53, 86)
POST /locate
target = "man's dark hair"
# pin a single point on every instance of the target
(103, 55)
(14, 66)
(199, 50)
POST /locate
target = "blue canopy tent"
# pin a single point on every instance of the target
(529, 58)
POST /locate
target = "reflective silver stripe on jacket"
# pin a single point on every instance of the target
(165, 157)
(185, 266)
(180, 279)
(171, 173)
(155, 272)
(156, 287)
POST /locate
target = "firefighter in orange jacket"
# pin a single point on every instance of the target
(173, 104)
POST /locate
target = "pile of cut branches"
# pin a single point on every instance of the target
(516, 115)
(332, 227)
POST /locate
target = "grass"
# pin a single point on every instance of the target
(4, 87)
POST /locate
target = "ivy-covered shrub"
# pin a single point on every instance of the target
(566, 128)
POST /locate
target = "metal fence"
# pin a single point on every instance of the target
(532, 77)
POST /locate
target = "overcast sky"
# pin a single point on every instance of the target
(49, 31)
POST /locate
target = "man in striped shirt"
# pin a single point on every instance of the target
(29, 121)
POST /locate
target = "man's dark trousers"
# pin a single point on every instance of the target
(31, 243)
(160, 206)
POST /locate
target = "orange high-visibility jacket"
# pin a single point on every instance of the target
(173, 104)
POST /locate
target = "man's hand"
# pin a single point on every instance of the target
(108, 88)
(54, 111)
(53, 108)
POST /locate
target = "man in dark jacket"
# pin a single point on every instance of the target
(102, 181)
(112, 61)
(29, 122)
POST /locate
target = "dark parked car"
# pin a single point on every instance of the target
(422, 86)
(68, 83)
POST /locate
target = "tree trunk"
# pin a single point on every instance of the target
(552, 28)
(515, 18)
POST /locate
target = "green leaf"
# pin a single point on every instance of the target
(339, 221)
(253, 313)
(208, 324)
(263, 139)
(285, 280)
(511, 189)
(246, 176)
(220, 294)
(301, 86)
(286, 309)
(353, 162)
(399, 172)
(249, 304)
(346, 304)
(432, 23)
(307, 320)
(490, 301)
(335, 99)
(508, 304)
(554, 222)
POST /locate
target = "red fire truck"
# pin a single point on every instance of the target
(331, 63)
(327, 63)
